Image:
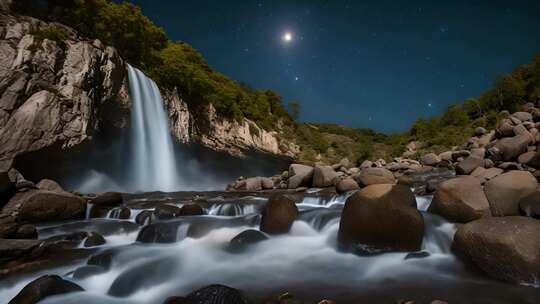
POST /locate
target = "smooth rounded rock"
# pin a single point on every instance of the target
(505, 191)
(372, 176)
(460, 199)
(43, 287)
(278, 214)
(384, 217)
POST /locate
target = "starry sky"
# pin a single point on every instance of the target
(375, 64)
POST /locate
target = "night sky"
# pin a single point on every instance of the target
(377, 64)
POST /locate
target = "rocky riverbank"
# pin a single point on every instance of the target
(490, 185)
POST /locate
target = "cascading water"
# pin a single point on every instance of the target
(153, 164)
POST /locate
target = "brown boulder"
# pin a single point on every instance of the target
(346, 185)
(382, 216)
(430, 159)
(278, 214)
(49, 185)
(460, 199)
(323, 176)
(250, 184)
(504, 191)
(191, 209)
(510, 148)
(372, 176)
(299, 175)
(42, 206)
(468, 165)
(530, 204)
(506, 248)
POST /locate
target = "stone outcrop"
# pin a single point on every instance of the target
(56, 94)
(382, 217)
(59, 95)
(506, 248)
(461, 200)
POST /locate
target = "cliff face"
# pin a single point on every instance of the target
(62, 93)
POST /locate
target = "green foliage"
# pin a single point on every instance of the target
(294, 107)
(52, 33)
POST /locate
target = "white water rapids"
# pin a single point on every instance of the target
(306, 257)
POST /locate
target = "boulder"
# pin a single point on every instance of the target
(41, 206)
(250, 184)
(478, 152)
(323, 176)
(157, 233)
(430, 159)
(468, 165)
(144, 217)
(486, 139)
(49, 185)
(460, 199)
(191, 209)
(278, 214)
(267, 183)
(506, 129)
(486, 174)
(506, 248)
(13, 249)
(216, 294)
(510, 148)
(346, 185)
(121, 213)
(505, 191)
(372, 176)
(535, 160)
(526, 157)
(246, 238)
(165, 211)
(522, 116)
(446, 156)
(8, 226)
(108, 198)
(382, 216)
(299, 175)
(479, 131)
(26, 231)
(366, 164)
(43, 287)
(94, 239)
(529, 205)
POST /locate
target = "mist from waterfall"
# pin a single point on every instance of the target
(152, 165)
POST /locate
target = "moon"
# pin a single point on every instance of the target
(287, 37)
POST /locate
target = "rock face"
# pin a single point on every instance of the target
(299, 175)
(41, 206)
(55, 94)
(43, 287)
(383, 216)
(504, 191)
(278, 215)
(460, 199)
(506, 248)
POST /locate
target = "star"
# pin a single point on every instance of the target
(296, 78)
(429, 105)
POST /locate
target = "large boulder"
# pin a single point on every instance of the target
(504, 191)
(165, 211)
(42, 206)
(323, 176)
(108, 199)
(430, 159)
(278, 214)
(534, 161)
(382, 216)
(250, 184)
(246, 238)
(49, 185)
(372, 176)
(509, 148)
(506, 248)
(346, 185)
(43, 287)
(469, 164)
(460, 199)
(529, 205)
(299, 175)
(191, 209)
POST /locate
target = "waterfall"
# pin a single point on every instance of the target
(152, 164)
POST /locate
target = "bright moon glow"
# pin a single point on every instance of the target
(287, 37)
